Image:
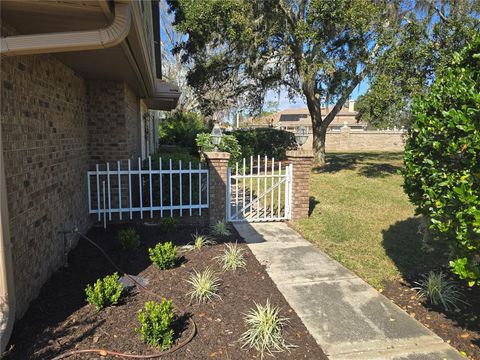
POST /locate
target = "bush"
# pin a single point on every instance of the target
(269, 142)
(128, 239)
(104, 292)
(181, 128)
(228, 143)
(163, 255)
(232, 258)
(169, 224)
(156, 324)
(438, 290)
(265, 330)
(204, 285)
(442, 160)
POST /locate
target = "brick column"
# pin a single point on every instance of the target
(217, 169)
(301, 161)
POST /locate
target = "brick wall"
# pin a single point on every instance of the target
(113, 122)
(45, 143)
(384, 140)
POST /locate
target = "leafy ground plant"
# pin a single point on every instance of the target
(169, 225)
(156, 324)
(232, 257)
(128, 239)
(220, 229)
(199, 242)
(265, 330)
(204, 285)
(439, 290)
(104, 292)
(164, 255)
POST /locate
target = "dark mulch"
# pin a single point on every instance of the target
(460, 328)
(59, 320)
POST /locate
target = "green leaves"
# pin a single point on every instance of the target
(164, 255)
(156, 323)
(442, 160)
(104, 292)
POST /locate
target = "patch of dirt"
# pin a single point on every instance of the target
(460, 328)
(60, 320)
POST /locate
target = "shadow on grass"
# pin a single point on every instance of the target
(369, 164)
(403, 244)
(312, 203)
(372, 170)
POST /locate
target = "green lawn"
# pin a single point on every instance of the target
(361, 217)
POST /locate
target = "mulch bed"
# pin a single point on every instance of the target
(460, 328)
(59, 320)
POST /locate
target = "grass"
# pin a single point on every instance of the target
(361, 217)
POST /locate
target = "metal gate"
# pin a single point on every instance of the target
(259, 190)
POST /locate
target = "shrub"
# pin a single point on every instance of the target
(104, 292)
(220, 229)
(163, 255)
(228, 143)
(169, 224)
(438, 290)
(265, 330)
(128, 239)
(156, 324)
(204, 285)
(232, 258)
(442, 160)
(269, 142)
(181, 128)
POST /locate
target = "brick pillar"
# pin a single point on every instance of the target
(217, 169)
(301, 161)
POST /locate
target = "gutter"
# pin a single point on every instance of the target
(7, 290)
(71, 41)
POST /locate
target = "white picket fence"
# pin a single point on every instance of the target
(147, 189)
(261, 193)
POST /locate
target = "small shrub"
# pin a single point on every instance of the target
(265, 330)
(156, 324)
(129, 239)
(163, 255)
(232, 258)
(220, 229)
(104, 292)
(169, 225)
(439, 290)
(199, 241)
(204, 285)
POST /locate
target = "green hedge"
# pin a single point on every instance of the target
(442, 159)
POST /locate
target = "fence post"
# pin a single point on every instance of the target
(301, 161)
(217, 168)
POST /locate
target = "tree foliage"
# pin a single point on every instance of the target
(442, 158)
(433, 31)
(321, 49)
(181, 128)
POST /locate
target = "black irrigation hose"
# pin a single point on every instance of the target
(104, 352)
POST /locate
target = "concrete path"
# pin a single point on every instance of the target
(347, 317)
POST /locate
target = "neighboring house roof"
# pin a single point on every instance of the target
(135, 59)
(301, 116)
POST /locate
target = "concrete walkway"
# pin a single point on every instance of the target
(347, 317)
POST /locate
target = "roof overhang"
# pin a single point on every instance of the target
(165, 97)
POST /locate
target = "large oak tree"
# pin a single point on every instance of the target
(321, 49)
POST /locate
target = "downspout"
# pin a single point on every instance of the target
(71, 41)
(7, 291)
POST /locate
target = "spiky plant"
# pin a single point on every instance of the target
(265, 330)
(199, 242)
(438, 289)
(204, 285)
(232, 257)
(220, 229)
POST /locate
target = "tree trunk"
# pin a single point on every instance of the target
(319, 136)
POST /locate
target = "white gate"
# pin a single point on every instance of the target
(259, 191)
